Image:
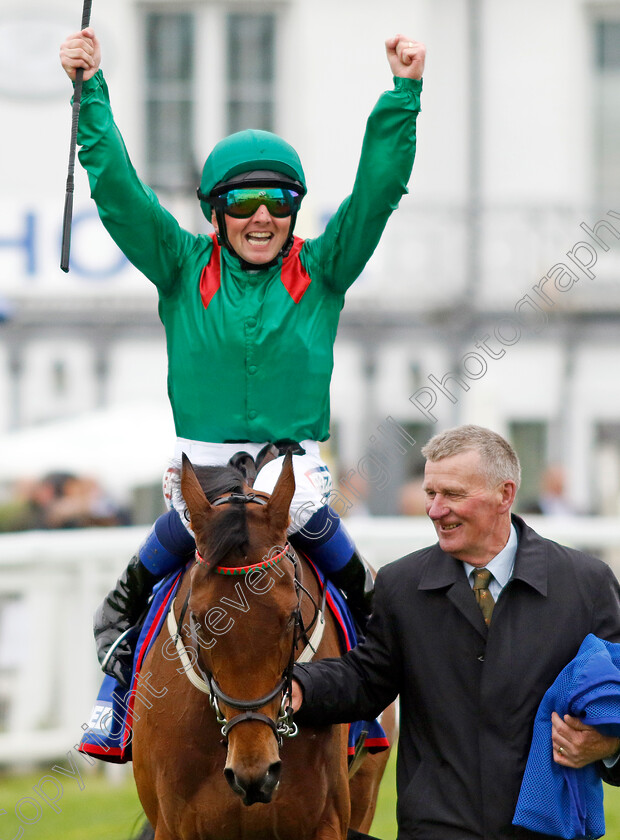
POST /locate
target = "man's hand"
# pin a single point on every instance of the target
(81, 50)
(297, 695)
(406, 57)
(575, 744)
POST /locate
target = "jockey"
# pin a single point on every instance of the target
(250, 314)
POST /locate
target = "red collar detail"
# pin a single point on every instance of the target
(294, 276)
(211, 276)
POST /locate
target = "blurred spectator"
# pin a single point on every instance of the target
(60, 500)
(552, 499)
(412, 499)
(350, 494)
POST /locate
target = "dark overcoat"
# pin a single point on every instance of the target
(468, 695)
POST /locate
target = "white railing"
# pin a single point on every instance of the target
(51, 583)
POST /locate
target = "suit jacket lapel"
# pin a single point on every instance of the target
(446, 572)
(532, 560)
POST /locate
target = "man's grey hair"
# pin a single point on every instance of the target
(498, 459)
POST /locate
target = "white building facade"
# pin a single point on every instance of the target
(494, 297)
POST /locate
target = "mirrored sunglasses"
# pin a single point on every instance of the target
(243, 203)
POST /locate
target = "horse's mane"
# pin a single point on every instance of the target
(230, 533)
(215, 481)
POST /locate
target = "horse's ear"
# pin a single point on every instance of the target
(282, 496)
(195, 499)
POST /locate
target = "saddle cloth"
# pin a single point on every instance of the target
(108, 734)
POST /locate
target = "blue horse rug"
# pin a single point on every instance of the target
(564, 801)
(108, 734)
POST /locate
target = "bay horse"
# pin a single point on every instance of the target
(243, 612)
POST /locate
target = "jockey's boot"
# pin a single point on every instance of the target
(328, 544)
(356, 581)
(119, 618)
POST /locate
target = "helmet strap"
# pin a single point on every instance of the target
(223, 239)
(286, 248)
(222, 233)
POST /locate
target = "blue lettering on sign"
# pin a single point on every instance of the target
(27, 242)
(101, 272)
(89, 263)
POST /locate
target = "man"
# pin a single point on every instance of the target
(250, 314)
(471, 675)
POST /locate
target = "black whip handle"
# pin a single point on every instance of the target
(75, 118)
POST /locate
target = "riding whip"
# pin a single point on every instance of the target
(77, 97)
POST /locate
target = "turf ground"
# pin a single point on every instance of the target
(109, 810)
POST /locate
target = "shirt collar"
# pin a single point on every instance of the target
(502, 565)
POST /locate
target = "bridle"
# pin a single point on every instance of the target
(283, 726)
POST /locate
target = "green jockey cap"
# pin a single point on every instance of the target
(246, 151)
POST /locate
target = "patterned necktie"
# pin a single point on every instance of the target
(484, 598)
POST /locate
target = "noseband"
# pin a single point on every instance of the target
(283, 726)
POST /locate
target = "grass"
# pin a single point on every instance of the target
(612, 811)
(384, 823)
(103, 810)
(109, 809)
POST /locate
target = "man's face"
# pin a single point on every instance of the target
(472, 519)
(259, 239)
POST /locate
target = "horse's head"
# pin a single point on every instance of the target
(244, 609)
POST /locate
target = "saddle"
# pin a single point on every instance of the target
(250, 466)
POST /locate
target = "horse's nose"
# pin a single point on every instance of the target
(255, 790)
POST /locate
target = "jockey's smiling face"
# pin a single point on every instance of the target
(260, 238)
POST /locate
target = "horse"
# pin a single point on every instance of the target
(217, 755)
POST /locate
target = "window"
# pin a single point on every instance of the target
(529, 440)
(250, 42)
(208, 73)
(59, 378)
(397, 447)
(605, 475)
(607, 113)
(169, 71)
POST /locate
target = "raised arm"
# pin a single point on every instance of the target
(386, 161)
(148, 235)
